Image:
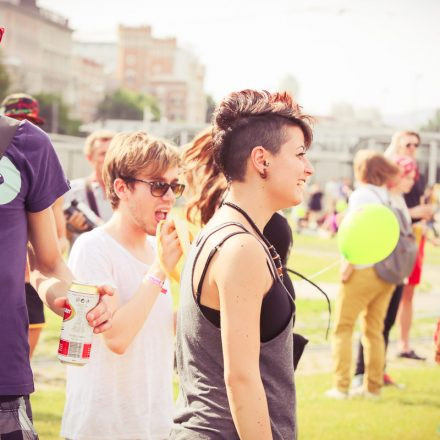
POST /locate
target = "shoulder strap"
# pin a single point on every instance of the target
(208, 260)
(8, 127)
(91, 199)
(271, 264)
(202, 241)
(377, 194)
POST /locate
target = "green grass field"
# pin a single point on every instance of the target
(409, 414)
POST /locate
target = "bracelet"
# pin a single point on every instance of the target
(156, 281)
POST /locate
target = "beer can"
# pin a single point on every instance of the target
(76, 333)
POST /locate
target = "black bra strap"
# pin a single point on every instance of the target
(208, 260)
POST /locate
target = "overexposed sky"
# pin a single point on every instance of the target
(370, 53)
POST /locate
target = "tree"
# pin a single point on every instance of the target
(210, 107)
(56, 114)
(4, 81)
(125, 104)
(434, 123)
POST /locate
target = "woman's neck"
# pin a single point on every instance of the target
(254, 203)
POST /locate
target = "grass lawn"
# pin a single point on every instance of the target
(409, 414)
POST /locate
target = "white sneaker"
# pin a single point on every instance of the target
(357, 381)
(336, 394)
(360, 392)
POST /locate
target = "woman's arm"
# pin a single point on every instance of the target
(242, 278)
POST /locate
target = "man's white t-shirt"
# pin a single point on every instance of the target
(129, 396)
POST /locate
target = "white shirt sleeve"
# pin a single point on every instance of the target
(89, 261)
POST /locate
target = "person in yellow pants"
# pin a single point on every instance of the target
(362, 292)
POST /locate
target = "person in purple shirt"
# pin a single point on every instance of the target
(31, 179)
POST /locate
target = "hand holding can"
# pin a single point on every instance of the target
(84, 314)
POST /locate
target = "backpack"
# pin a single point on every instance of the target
(8, 127)
(400, 263)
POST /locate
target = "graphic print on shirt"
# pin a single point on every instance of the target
(10, 181)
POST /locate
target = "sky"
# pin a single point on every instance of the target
(369, 53)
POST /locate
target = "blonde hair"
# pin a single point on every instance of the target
(89, 144)
(203, 177)
(374, 168)
(130, 154)
(393, 148)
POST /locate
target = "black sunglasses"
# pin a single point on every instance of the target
(159, 188)
(414, 145)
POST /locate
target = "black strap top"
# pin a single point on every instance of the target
(277, 306)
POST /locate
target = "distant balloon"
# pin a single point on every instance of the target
(341, 205)
(368, 234)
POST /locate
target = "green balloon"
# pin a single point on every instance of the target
(368, 234)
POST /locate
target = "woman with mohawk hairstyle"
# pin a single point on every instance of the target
(234, 331)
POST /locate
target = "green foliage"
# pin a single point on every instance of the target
(56, 114)
(210, 107)
(434, 123)
(125, 104)
(4, 81)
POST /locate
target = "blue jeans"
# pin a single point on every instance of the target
(16, 419)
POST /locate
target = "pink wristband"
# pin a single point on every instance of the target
(156, 281)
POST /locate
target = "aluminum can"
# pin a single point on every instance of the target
(76, 333)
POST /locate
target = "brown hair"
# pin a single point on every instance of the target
(89, 144)
(130, 154)
(203, 177)
(374, 168)
(251, 118)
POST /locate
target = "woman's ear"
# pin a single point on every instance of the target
(259, 160)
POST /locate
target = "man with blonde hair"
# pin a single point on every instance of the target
(125, 391)
(89, 192)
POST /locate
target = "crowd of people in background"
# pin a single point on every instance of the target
(235, 348)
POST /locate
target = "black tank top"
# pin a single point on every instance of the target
(277, 307)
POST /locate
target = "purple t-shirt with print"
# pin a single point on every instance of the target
(31, 179)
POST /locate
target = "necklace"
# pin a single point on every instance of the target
(273, 253)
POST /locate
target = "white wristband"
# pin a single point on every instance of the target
(156, 281)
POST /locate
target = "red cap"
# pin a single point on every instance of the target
(21, 106)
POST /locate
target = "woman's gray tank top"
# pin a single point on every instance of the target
(202, 409)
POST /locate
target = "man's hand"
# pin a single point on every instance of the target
(78, 222)
(346, 271)
(169, 249)
(100, 316)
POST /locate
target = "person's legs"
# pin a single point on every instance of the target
(353, 297)
(16, 419)
(390, 317)
(360, 365)
(372, 328)
(35, 309)
(405, 316)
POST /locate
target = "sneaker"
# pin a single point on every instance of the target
(411, 355)
(387, 381)
(357, 381)
(336, 394)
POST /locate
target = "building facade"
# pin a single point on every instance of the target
(37, 49)
(157, 66)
